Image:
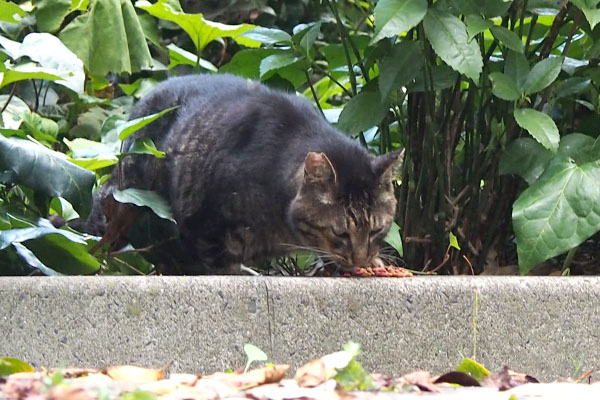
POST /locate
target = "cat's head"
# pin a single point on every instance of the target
(344, 216)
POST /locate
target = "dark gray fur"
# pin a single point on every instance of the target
(236, 150)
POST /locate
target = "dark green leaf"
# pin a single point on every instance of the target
(448, 37)
(276, 61)
(308, 37)
(392, 17)
(540, 126)
(246, 63)
(579, 147)
(49, 14)
(558, 212)
(362, 112)
(10, 366)
(572, 86)
(63, 255)
(442, 75)
(504, 87)
(268, 36)
(145, 145)
(486, 8)
(592, 14)
(542, 74)
(145, 198)
(47, 171)
(12, 236)
(399, 67)
(507, 38)
(526, 158)
(517, 68)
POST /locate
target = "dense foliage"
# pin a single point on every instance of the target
(495, 103)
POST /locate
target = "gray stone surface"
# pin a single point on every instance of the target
(547, 327)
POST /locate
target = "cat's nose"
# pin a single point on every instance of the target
(360, 258)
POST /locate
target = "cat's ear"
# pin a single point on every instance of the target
(385, 165)
(319, 169)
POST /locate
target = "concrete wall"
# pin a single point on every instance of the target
(547, 327)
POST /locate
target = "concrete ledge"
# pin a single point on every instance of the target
(547, 327)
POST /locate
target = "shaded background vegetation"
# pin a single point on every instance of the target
(495, 103)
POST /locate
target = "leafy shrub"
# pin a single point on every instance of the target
(494, 102)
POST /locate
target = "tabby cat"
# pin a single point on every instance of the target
(252, 172)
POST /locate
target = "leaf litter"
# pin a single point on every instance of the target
(337, 376)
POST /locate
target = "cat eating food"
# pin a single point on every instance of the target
(250, 172)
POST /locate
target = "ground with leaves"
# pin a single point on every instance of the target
(336, 376)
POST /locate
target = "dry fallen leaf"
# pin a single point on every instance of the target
(322, 369)
(421, 379)
(130, 373)
(23, 384)
(69, 392)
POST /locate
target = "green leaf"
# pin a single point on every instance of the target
(8, 11)
(200, 30)
(453, 241)
(592, 14)
(64, 208)
(84, 148)
(392, 17)
(178, 56)
(504, 87)
(581, 148)
(362, 112)
(540, 126)
(63, 255)
(42, 129)
(572, 86)
(246, 62)
(13, 115)
(109, 38)
(526, 158)
(558, 212)
(487, 8)
(542, 74)
(473, 368)
(132, 126)
(253, 353)
(31, 260)
(10, 366)
(448, 37)
(268, 36)
(476, 25)
(79, 5)
(49, 14)
(507, 38)
(399, 67)
(20, 235)
(145, 145)
(28, 71)
(517, 68)
(145, 198)
(95, 163)
(307, 37)
(277, 61)
(394, 239)
(48, 171)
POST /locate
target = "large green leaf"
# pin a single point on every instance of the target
(362, 112)
(592, 14)
(526, 158)
(145, 198)
(8, 11)
(442, 77)
(26, 72)
(200, 30)
(542, 74)
(486, 8)
(178, 56)
(49, 172)
(399, 67)
(49, 14)
(392, 17)
(448, 37)
(63, 255)
(108, 38)
(504, 87)
(20, 235)
(268, 36)
(247, 62)
(558, 212)
(517, 68)
(540, 126)
(394, 239)
(508, 38)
